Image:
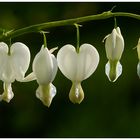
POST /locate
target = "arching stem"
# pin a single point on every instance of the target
(38, 27)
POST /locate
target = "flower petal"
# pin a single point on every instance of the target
(67, 61)
(3, 48)
(8, 93)
(77, 66)
(55, 67)
(119, 45)
(138, 49)
(138, 69)
(110, 44)
(113, 72)
(32, 76)
(43, 66)
(88, 60)
(20, 57)
(114, 45)
(6, 71)
(53, 49)
(29, 78)
(76, 94)
(46, 93)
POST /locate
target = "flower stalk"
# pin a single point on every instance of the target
(44, 38)
(46, 25)
(78, 36)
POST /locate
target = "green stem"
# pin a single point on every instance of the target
(38, 27)
(9, 51)
(78, 36)
(44, 38)
(115, 22)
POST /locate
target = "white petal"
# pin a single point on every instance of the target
(6, 71)
(3, 48)
(138, 69)
(119, 69)
(55, 67)
(32, 76)
(46, 93)
(43, 66)
(110, 44)
(118, 30)
(114, 45)
(77, 66)
(67, 61)
(53, 49)
(117, 52)
(29, 78)
(138, 49)
(7, 94)
(113, 73)
(105, 38)
(88, 60)
(20, 57)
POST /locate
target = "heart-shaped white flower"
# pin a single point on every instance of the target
(44, 71)
(77, 67)
(14, 62)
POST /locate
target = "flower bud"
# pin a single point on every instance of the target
(114, 46)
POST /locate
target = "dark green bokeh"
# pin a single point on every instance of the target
(108, 110)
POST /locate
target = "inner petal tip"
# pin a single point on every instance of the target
(76, 94)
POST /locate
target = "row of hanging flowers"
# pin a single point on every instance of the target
(77, 64)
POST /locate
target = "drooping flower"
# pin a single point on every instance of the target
(114, 46)
(138, 51)
(14, 62)
(77, 66)
(44, 71)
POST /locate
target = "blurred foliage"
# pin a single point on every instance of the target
(108, 110)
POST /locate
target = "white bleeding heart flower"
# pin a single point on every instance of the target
(44, 71)
(77, 67)
(14, 62)
(114, 46)
(138, 51)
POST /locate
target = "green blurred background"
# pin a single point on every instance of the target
(108, 110)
